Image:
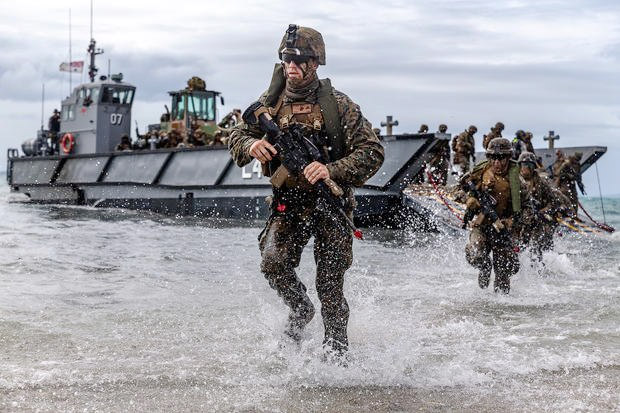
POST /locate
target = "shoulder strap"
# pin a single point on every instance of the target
(515, 186)
(331, 117)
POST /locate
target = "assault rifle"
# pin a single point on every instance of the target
(295, 152)
(487, 207)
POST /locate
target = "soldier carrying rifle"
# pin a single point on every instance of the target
(497, 203)
(310, 112)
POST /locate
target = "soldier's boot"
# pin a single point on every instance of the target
(336, 344)
(502, 282)
(484, 277)
(298, 319)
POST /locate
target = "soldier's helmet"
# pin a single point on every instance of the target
(527, 158)
(423, 128)
(500, 126)
(520, 134)
(302, 43)
(529, 135)
(443, 128)
(499, 147)
(578, 155)
(472, 129)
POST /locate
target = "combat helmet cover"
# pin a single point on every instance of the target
(303, 41)
(527, 157)
(443, 128)
(500, 126)
(472, 129)
(499, 146)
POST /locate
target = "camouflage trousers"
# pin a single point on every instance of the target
(281, 245)
(540, 238)
(483, 242)
(460, 162)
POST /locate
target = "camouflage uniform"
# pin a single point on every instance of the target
(547, 204)
(557, 164)
(419, 177)
(528, 143)
(124, 145)
(519, 145)
(464, 146)
(569, 175)
(355, 154)
(496, 132)
(511, 202)
(440, 163)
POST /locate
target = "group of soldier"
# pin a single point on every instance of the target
(174, 138)
(511, 200)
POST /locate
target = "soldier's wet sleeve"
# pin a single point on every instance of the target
(241, 138)
(363, 153)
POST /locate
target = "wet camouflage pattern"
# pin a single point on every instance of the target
(484, 241)
(281, 246)
(363, 152)
(287, 233)
(566, 181)
(548, 203)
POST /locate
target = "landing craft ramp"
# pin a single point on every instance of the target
(205, 182)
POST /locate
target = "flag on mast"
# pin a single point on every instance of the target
(77, 66)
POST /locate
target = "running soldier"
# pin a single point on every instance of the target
(547, 204)
(296, 97)
(497, 201)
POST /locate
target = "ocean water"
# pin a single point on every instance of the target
(116, 310)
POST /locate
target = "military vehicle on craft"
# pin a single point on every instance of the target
(192, 108)
(202, 180)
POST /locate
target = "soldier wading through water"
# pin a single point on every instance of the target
(297, 98)
(498, 199)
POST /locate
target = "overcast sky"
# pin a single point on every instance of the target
(535, 65)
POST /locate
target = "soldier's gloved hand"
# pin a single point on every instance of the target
(262, 150)
(315, 172)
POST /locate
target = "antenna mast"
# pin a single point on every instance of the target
(42, 103)
(92, 49)
(70, 71)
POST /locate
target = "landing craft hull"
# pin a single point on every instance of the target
(205, 182)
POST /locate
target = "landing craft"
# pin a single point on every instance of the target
(202, 181)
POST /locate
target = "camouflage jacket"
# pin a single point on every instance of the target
(489, 137)
(362, 154)
(545, 198)
(516, 198)
(463, 146)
